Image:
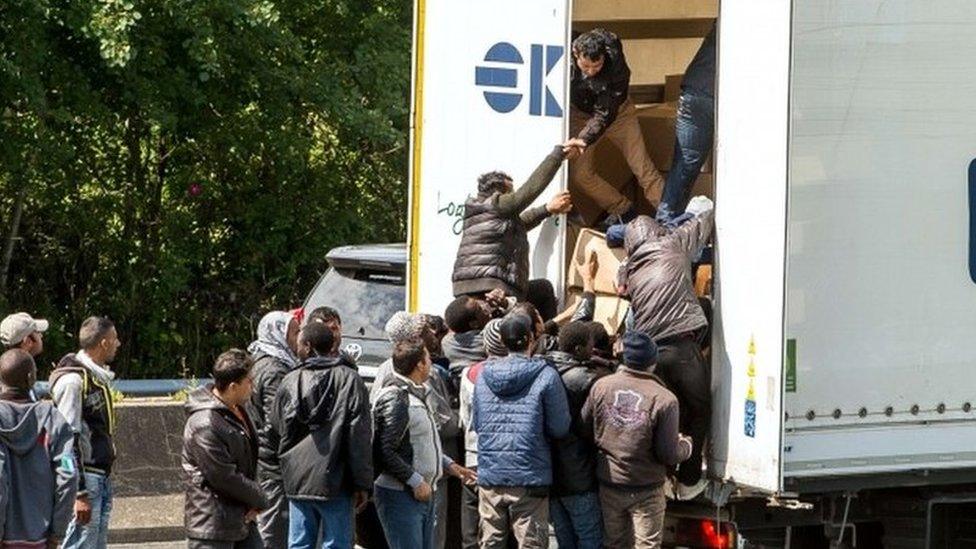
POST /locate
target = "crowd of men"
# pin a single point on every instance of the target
(544, 424)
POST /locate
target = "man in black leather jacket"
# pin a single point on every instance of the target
(574, 506)
(220, 454)
(407, 451)
(321, 426)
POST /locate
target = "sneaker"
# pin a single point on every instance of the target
(669, 484)
(688, 493)
(618, 219)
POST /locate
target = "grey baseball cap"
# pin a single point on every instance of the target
(17, 326)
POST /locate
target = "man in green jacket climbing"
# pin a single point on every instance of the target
(494, 250)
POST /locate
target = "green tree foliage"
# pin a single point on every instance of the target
(184, 165)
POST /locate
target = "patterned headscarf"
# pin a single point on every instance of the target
(273, 338)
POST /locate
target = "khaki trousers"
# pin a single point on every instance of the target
(505, 509)
(625, 134)
(632, 518)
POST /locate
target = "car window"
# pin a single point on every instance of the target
(365, 299)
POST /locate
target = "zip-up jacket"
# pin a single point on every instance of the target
(574, 456)
(219, 469)
(38, 476)
(406, 447)
(519, 405)
(323, 431)
(72, 383)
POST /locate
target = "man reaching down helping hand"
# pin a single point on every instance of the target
(494, 250)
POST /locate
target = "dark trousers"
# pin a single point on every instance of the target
(694, 133)
(680, 364)
(469, 516)
(273, 521)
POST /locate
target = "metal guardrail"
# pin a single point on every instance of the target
(141, 387)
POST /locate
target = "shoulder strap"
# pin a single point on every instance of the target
(4, 487)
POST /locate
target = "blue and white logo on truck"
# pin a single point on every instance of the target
(501, 78)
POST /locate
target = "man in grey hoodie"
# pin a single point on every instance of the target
(38, 476)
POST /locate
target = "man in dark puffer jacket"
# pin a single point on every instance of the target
(494, 250)
(220, 453)
(574, 504)
(519, 405)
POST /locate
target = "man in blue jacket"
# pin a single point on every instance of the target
(519, 406)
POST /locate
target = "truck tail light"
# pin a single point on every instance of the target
(705, 534)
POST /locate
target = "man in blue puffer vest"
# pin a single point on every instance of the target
(519, 406)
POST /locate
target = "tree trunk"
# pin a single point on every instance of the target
(12, 237)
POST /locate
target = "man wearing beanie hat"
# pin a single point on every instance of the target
(519, 406)
(634, 421)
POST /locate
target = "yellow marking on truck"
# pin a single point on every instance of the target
(418, 122)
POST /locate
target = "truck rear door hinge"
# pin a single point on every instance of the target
(790, 504)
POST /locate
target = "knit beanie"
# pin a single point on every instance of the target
(640, 352)
(403, 326)
(492, 336)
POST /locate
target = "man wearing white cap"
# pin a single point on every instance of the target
(24, 332)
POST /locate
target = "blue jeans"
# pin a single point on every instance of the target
(330, 520)
(408, 523)
(93, 535)
(694, 133)
(577, 521)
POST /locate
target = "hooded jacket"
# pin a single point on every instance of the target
(219, 469)
(268, 371)
(322, 429)
(658, 276)
(38, 474)
(519, 405)
(574, 456)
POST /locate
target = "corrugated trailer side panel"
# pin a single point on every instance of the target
(881, 323)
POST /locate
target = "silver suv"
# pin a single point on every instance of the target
(366, 284)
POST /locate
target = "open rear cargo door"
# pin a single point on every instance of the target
(489, 93)
(751, 198)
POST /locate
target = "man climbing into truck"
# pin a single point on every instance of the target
(601, 107)
(657, 279)
(494, 249)
(694, 129)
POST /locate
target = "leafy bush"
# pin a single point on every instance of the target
(183, 167)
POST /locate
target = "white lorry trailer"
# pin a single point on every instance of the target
(844, 331)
